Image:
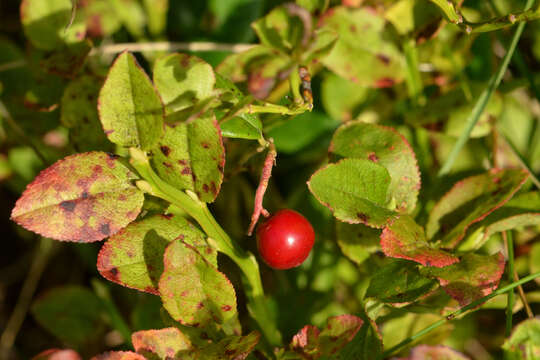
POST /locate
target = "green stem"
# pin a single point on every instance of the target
(269, 108)
(483, 99)
(453, 315)
(220, 239)
(414, 80)
(510, 301)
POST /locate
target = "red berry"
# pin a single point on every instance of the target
(285, 239)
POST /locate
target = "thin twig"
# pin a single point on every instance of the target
(41, 257)
(509, 245)
(169, 46)
(523, 297)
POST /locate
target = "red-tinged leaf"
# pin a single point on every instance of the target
(405, 239)
(134, 256)
(366, 345)
(524, 343)
(164, 343)
(474, 277)
(312, 343)
(427, 352)
(193, 291)
(191, 156)
(385, 146)
(83, 198)
(470, 201)
(58, 354)
(119, 355)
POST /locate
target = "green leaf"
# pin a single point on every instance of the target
(193, 291)
(72, 313)
(399, 281)
(312, 343)
(312, 5)
(354, 190)
(366, 345)
(384, 146)
(119, 355)
(342, 98)
(183, 80)
(470, 201)
(45, 21)
(134, 256)
(156, 13)
(129, 107)
(357, 241)
(374, 61)
(231, 347)
(439, 352)
(83, 198)
(243, 126)
(236, 67)
(524, 343)
(101, 18)
(160, 344)
(322, 44)
(78, 112)
(132, 16)
(405, 239)
(67, 61)
(191, 155)
(474, 277)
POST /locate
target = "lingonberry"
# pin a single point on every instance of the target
(285, 239)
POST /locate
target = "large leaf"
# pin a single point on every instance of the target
(161, 344)
(384, 146)
(354, 190)
(191, 156)
(182, 80)
(470, 201)
(45, 23)
(312, 343)
(374, 61)
(405, 239)
(399, 281)
(129, 107)
(474, 277)
(193, 291)
(357, 241)
(74, 314)
(524, 343)
(134, 256)
(423, 352)
(84, 197)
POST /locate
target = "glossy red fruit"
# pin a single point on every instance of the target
(285, 239)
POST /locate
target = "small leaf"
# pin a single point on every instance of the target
(182, 80)
(399, 281)
(470, 201)
(83, 198)
(405, 239)
(354, 190)
(193, 291)
(243, 126)
(191, 156)
(357, 241)
(163, 343)
(129, 107)
(384, 146)
(374, 61)
(58, 354)
(524, 343)
(423, 352)
(71, 313)
(312, 343)
(119, 355)
(322, 44)
(44, 23)
(134, 256)
(474, 277)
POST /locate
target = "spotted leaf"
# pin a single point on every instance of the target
(193, 291)
(163, 343)
(134, 256)
(83, 198)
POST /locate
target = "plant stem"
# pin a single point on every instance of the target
(414, 80)
(269, 108)
(507, 236)
(521, 160)
(451, 316)
(169, 46)
(199, 211)
(483, 100)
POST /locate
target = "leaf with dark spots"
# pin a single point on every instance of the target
(405, 239)
(312, 343)
(386, 147)
(474, 277)
(163, 343)
(134, 256)
(470, 201)
(191, 165)
(78, 199)
(119, 355)
(186, 271)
